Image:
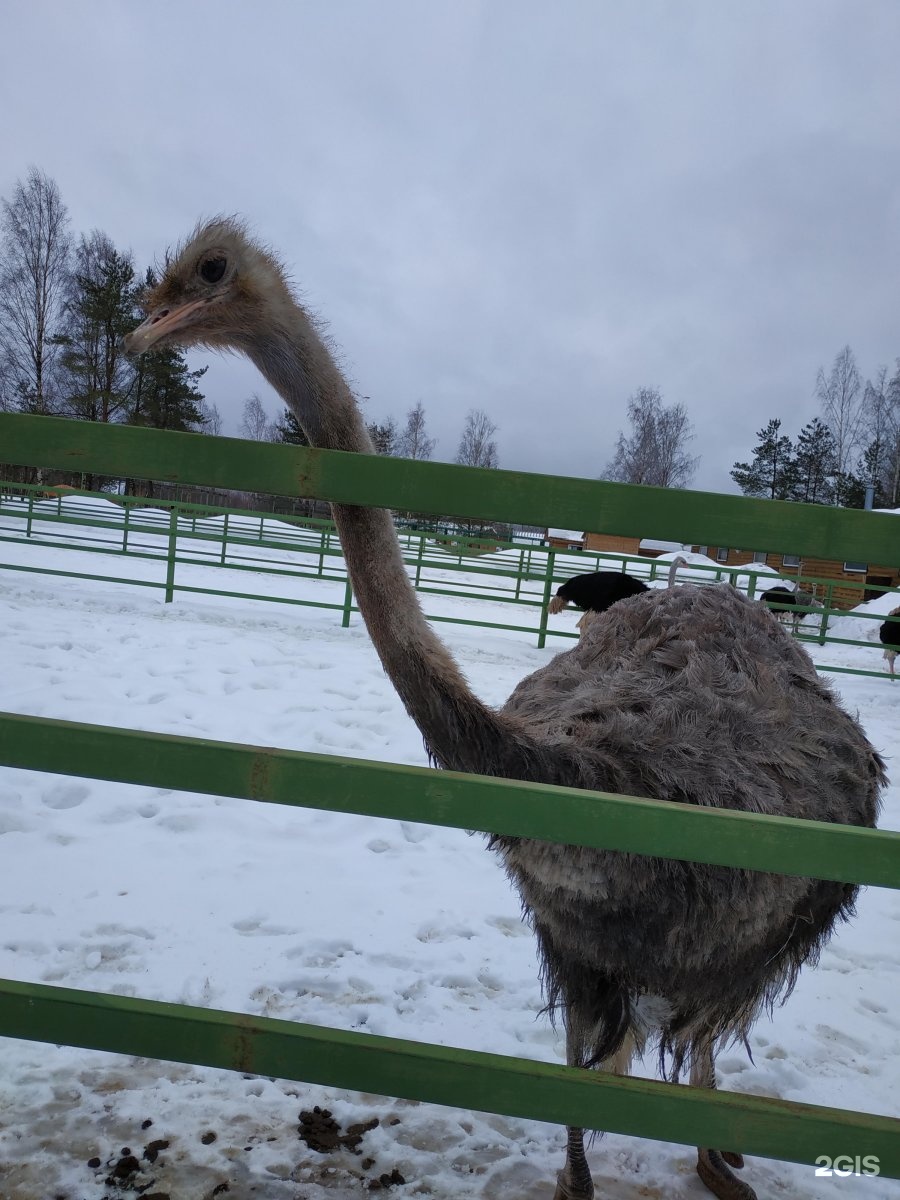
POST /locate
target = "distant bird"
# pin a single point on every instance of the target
(889, 633)
(690, 695)
(777, 596)
(595, 592)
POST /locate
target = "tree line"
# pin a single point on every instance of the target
(65, 304)
(477, 444)
(848, 454)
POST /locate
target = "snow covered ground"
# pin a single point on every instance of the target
(397, 929)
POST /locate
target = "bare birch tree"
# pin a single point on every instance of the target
(34, 250)
(655, 451)
(840, 394)
(255, 423)
(414, 441)
(211, 418)
(477, 447)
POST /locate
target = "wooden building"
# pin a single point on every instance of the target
(853, 582)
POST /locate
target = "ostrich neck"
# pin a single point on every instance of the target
(460, 731)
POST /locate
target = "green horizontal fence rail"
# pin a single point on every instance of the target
(442, 1075)
(707, 518)
(572, 816)
(752, 1125)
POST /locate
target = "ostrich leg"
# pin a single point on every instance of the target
(714, 1166)
(574, 1180)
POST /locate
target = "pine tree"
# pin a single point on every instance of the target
(288, 429)
(772, 473)
(814, 464)
(164, 392)
(100, 308)
(384, 436)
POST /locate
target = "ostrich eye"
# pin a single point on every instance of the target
(212, 269)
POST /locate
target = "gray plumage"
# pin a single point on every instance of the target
(692, 695)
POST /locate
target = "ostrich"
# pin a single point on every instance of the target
(594, 592)
(889, 634)
(690, 695)
(777, 596)
(598, 591)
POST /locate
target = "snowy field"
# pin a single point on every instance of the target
(395, 929)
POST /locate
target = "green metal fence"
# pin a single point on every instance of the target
(419, 1071)
(255, 543)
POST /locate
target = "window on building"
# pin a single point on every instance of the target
(759, 556)
(857, 567)
(721, 554)
(791, 560)
(703, 549)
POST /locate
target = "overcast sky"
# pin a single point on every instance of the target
(530, 208)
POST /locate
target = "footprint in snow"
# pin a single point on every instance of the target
(65, 795)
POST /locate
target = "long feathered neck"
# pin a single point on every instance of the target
(460, 731)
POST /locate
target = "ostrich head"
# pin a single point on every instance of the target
(219, 286)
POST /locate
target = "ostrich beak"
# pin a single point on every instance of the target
(159, 324)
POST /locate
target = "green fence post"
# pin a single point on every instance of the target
(172, 550)
(548, 584)
(224, 553)
(348, 604)
(419, 559)
(30, 514)
(125, 529)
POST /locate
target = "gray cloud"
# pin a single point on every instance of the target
(526, 208)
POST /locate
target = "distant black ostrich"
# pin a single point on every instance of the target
(595, 592)
(781, 595)
(889, 633)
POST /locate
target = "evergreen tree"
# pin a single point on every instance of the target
(100, 308)
(772, 473)
(164, 392)
(814, 464)
(384, 436)
(288, 429)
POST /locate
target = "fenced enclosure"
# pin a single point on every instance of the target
(755, 1125)
(440, 562)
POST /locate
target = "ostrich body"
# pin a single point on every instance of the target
(595, 591)
(889, 636)
(780, 595)
(689, 694)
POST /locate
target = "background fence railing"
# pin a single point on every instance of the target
(445, 1075)
(441, 563)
